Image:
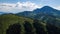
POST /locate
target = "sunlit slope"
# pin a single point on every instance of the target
(9, 19)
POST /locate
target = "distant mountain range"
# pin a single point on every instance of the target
(44, 10)
(2, 13)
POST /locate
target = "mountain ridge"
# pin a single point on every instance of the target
(45, 10)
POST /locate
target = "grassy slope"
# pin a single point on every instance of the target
(6, 20)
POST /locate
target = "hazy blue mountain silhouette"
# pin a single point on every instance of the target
(25, 13)
(2, 13)
(44, 10)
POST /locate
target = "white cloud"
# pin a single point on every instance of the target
(18, 7)
(57, 7)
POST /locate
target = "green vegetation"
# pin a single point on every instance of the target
(10, 19)
(28, 25)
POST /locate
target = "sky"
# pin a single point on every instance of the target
(15, 6)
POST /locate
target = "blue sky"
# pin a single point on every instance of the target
(38, 3)
(43, 2)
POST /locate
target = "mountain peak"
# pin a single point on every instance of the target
(46, 7)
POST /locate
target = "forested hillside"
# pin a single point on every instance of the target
(13, 24)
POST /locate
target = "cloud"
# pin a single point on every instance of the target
(18, 7)
(57, 7)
